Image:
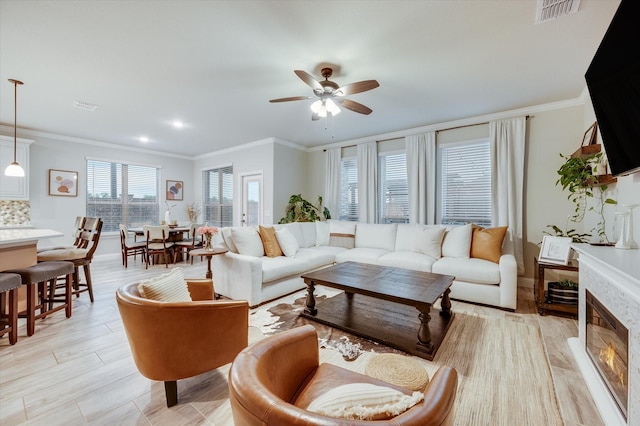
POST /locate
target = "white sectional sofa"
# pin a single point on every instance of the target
(246, 273)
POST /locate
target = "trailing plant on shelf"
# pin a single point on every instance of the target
(579, 175)
(301, 210)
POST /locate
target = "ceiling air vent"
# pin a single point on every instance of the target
(551, 9)
(85, 105)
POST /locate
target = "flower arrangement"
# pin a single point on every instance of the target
(207, 230)
(193, 211)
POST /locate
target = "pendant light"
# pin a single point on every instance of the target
(14, 168)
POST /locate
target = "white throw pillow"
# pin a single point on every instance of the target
(457, 242)
(169, 287)
(322, 233)
(363, 401)
(429, 241)
(288, 243)
(248, 242)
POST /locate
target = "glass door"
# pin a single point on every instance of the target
(251, 199)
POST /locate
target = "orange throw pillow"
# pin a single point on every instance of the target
(487, 243)
(269, 241)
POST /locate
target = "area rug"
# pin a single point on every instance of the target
(503, 376)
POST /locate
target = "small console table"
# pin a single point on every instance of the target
(539, 287)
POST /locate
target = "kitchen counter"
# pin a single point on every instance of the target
(21, 236)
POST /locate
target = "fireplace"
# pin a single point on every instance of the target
(607, 343)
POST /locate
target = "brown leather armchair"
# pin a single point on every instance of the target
(272, 381)
(172, 341)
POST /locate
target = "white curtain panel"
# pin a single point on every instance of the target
(331, 198)
(421, 177)
(508, 147)
(367, 178)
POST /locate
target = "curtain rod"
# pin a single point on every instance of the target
(437, 131)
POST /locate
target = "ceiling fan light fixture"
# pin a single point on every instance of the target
(324, 106)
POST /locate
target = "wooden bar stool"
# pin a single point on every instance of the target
(35, 277)
(9, 285)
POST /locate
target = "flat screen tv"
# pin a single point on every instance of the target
(613, 80)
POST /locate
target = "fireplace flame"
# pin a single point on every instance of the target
(608, 356)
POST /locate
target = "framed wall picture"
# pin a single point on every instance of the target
(174, 190)
(63, 183)
(555, 250)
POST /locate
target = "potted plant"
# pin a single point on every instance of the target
(301, 210)
(580, 176)
(565, 291)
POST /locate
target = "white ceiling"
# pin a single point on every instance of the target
(216, 64)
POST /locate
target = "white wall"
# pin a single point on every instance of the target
(290, 177)
(254, 157)
(59, 213)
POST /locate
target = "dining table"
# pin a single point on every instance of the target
(176, 233)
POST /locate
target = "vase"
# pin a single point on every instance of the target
(207, 242)
(167, 217)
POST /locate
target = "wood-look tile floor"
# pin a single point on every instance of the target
(80, 371)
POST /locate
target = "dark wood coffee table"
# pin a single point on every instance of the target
(379, 303)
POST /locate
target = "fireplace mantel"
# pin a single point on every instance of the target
(613, 276)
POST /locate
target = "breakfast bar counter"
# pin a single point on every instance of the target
(18, 249)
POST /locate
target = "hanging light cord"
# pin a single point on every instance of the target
(15, 117)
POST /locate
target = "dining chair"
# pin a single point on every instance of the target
(156, 243)
(193, 241)
(129, 247)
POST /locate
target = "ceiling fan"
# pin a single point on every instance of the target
(330, 96)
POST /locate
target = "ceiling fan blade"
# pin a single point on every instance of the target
(293, 98)
(354, 106)
(360, 86)
(308, 78)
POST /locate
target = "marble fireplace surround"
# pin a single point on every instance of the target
(613, 277)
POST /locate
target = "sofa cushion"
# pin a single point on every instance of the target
(342, 233)
(457, 242)
(228, 239)
(169, 287)
(428, 241)
(322, 233)
(363, 401)
(486, 243)
(376, 236)
(315, 258)
(274, 268)
(405, 235)
(363, 255)
(247, 241)
(470, 270)
(287, 241)
(407, 260)
(269, 241)
(296, 231)
(308, 230)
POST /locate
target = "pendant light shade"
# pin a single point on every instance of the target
(14, 168)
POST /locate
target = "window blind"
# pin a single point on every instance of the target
(349, 189)
(393, 191)
(122, 193)
(218, 196)
(465, 183)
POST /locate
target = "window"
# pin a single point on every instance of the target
(348, 189)
(106, 185)
(218, 196)
(465, 183)
(393, 206)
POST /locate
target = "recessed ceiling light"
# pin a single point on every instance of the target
(178, 124)
(143, 139)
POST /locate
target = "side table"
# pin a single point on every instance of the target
(539, 287)
(208, 254)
